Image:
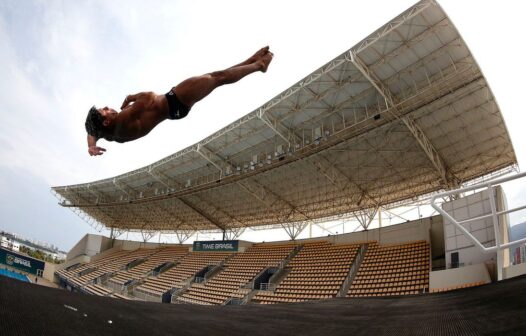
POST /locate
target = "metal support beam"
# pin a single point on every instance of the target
(283, 131)
(208, 155)
(160, 178)
(319, 225)
(95, 193)
(147, 235)
(121, 188)
(432, 154)
(339, 179)
(116, 233)
(450, 181)
(268, 198)
(393, 24)
(179, 224)
(233, 233)
(366, 216)
(294, 229)
(184, 235)
(92, 221)
(203, 214)
(255, 189)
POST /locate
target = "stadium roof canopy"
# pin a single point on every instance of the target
(404, 113)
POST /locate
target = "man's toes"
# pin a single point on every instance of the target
(262, 52)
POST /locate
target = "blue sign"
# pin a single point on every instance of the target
(21, 262)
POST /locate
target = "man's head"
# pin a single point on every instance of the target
(98, 120)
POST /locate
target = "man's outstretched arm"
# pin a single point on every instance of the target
(92, 146)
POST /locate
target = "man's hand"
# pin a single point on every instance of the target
(128, 100)
(94, 150)
(125, 103)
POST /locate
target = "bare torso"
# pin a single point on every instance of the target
(139, 118)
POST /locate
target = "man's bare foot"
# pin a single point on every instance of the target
(258, 55)
(254, 58)
(265, 61)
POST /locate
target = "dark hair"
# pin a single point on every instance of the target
(93, 124)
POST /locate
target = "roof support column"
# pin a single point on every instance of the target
(233, 233)
(365, 217)
(184, 235)
(116, 233)
(294, 229)
(147, 235)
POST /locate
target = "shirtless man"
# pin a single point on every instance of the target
(141, 112)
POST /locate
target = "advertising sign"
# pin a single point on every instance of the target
(221, 245)
(21, 262)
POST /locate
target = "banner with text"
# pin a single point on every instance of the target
(214, 245)
(21, 262)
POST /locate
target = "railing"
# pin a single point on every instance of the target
(147, 296)
(176, 292)
(86, 271)
(101, 280)
(162, 269)
(267, 286)
(352, 272)
(494, 215)
(234, 300)
(291, 255)
(129, 287)
(134, 263)
(214, 269)
(265, 268)
(114, 286)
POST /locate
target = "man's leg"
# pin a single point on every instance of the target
(194, 89)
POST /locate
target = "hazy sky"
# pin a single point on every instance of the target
(61, 57)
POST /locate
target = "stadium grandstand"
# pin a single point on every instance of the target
(405, 117)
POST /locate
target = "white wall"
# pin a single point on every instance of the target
(473, 206)
(458, 276)
(393, 234)
(514, 270)
(89, 245)
(49, 271)
(82, 259)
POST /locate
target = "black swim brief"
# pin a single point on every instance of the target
(176, 109)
